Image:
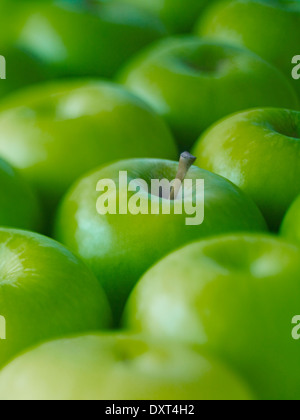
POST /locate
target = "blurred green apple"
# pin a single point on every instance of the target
(73, 39)
(120, 247)
(21, 70)
(117, 367)
(178, 15)
(55, 132)
(45, 292)
(236, 297)
(270, 28)
(258, 150)
(291, 223)
(19, 206)
(193, 83)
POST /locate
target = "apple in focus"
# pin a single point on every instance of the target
(120, 245)
(118, 367)
(45, 293)
(194, 82)
(258, 150)
(235, 296)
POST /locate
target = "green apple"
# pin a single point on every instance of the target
(55, 132)
(178, 15)
(258, 150)
(81, 39)
(291, 224)
(193, 83)
(235, 296)
(21, 70)
(19, 206)
(120, 246)
(45, 293)
(118, 367)
(270, 28)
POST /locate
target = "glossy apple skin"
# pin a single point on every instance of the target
(120, 248)
(45, 292)
(194, 82)
(79, 40)
(269, 28)
(254, 149)
(19, 206)
(235, 296)
(179, 16)
(118, 367)
(290, 227)
(55, 132)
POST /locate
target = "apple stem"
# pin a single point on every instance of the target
(185, 162)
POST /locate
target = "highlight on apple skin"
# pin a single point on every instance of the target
(258, 150)
(44, 129)
(234, 296)
(220, 79)
(119, 248)
(118, 367)
(45, 292)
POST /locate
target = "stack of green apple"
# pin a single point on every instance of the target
(145, 306)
